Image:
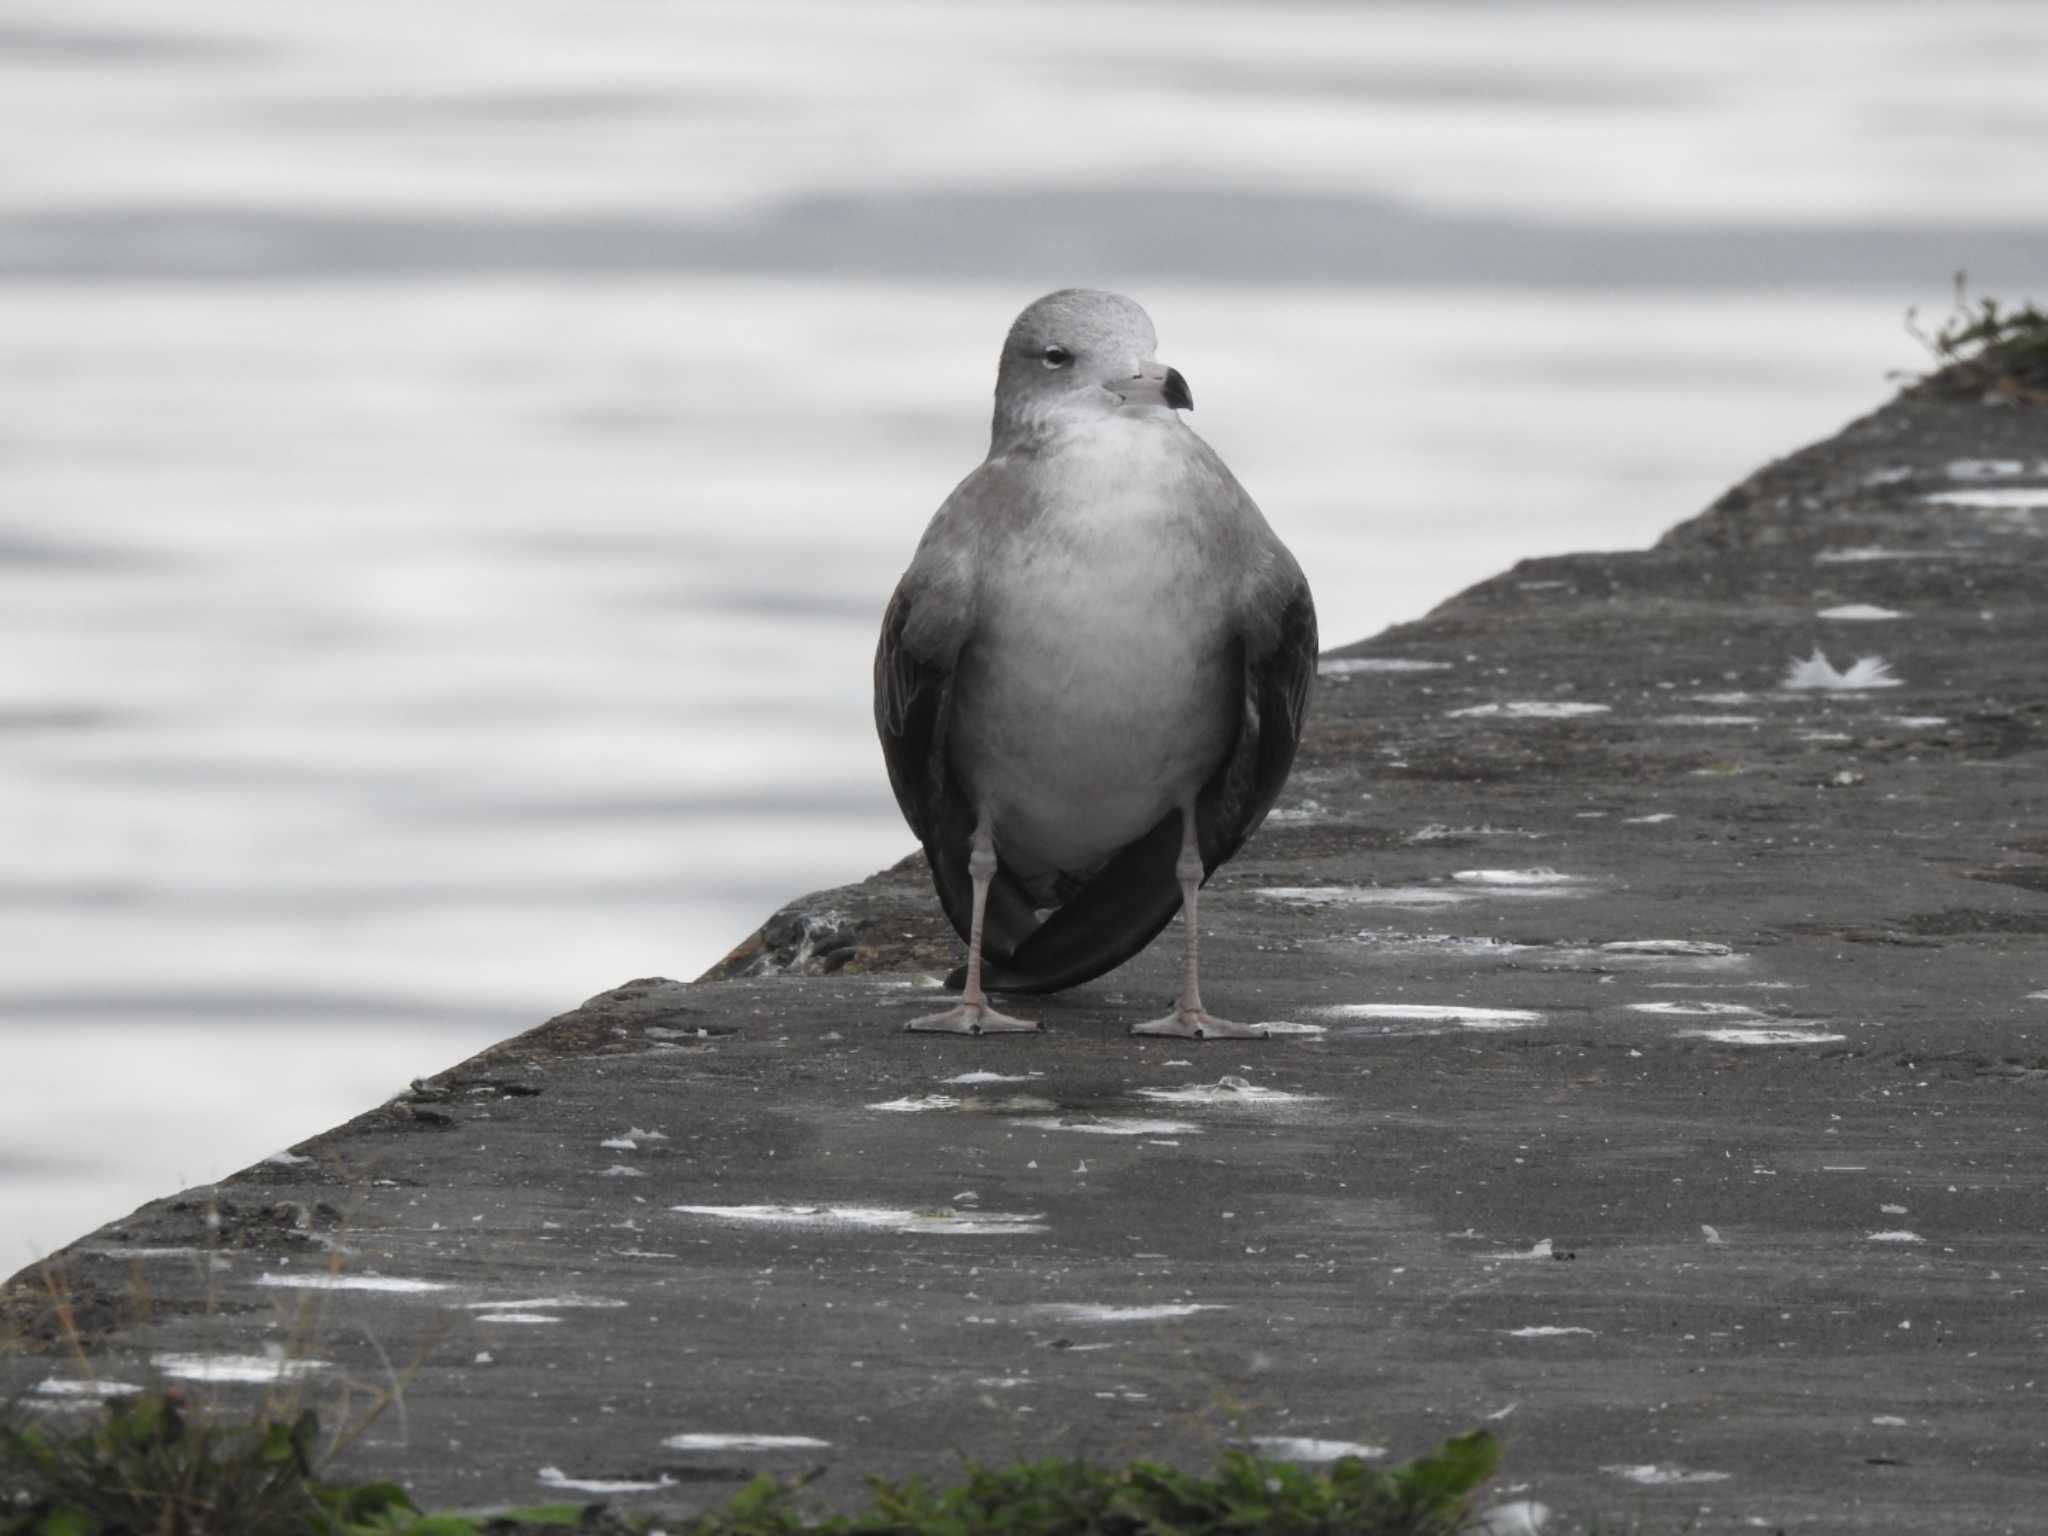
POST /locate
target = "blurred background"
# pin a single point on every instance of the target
(454, 455)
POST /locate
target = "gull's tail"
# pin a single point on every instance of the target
(1112, 917)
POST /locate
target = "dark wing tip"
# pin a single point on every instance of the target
(1278, 684)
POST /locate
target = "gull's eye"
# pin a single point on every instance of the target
(1056, 357)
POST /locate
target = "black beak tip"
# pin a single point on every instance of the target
(1178, 395)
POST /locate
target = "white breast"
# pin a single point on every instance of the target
(1097, 694)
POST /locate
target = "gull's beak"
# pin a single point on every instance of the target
(1154, 383)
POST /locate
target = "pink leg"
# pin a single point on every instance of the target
(974, 1015)
(1189, 1019)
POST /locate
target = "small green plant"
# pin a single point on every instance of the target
(1246, 1494)
(158, 1463)
(1985, 349)
(148, 1466)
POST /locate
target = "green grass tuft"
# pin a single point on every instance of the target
(149, 1466)
(1985, 350)
(145, 1466)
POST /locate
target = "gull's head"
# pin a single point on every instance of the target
(1080, 354)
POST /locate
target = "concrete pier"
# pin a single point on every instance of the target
(1660, 1043)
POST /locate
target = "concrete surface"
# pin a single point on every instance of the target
(1731, 1206)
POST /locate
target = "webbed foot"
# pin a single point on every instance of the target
(973, 1019)
(1198, 1024)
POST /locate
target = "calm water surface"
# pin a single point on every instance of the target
(452, 463)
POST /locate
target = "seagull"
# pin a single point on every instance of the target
(1092, 679)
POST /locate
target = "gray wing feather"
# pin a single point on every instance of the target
(1279, 679)
(928, 622)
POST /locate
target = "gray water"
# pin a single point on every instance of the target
(453, 458)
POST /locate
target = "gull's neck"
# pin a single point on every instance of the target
(1041, 426)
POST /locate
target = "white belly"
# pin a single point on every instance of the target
(1097, 694)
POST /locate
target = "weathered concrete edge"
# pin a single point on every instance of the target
(887, 923)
